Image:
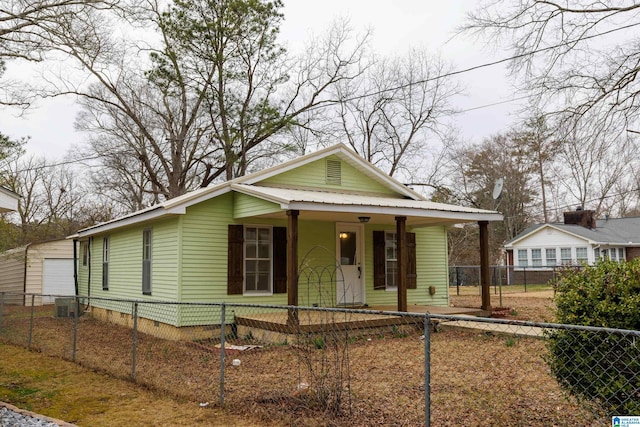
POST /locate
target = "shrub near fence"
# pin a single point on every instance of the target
(331, 367)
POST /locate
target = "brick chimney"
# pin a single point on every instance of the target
(581, 217)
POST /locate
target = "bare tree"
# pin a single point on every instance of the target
(394, 116)
(214, 94)
(25, 33)
(52, 198)
(579, 58)
(597, 169)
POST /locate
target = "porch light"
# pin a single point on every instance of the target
(344, 235)
(364, 219)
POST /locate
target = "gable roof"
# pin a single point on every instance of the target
(410, 202)
(611, 231)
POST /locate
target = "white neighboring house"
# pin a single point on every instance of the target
(38, 268)
(579, 239)
(8, 200)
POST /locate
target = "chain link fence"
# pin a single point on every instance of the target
(332, 366)
(504, 277)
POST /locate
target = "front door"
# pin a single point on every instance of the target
(350, 277)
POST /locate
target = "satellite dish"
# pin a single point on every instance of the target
(497, 188)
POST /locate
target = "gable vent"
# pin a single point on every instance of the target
(334, 172)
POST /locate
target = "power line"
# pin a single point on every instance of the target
(488, 64)
(417, 82)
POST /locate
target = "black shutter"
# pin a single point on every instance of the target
(279, 260)
(235, 261)
(412, 282)
(379, 276)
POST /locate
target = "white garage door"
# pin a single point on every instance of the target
(57, 278)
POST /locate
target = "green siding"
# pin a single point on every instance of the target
(317, 261)
(431, 268)
(204, 251)
(125, 270)
(245, 206)
(314, 175)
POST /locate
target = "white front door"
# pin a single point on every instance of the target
(350, 277)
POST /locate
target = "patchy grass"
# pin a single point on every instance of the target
(476, 378)
(63, 390)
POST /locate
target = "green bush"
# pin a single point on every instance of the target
(600, 368)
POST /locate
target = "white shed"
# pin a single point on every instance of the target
(40, 268)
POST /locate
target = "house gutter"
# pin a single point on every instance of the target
(24, 275)
(75, 265)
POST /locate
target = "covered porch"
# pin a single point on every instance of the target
(353, 212)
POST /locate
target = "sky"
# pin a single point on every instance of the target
(397, 26)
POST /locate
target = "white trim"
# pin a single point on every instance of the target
(395, 211)
(511, 244)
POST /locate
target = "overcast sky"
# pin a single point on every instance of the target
(397, 26)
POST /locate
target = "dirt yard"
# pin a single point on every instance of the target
(476, 378)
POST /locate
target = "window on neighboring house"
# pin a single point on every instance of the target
(621, 254)
(551, 257)
(257, 259)
(536, 257)
(522, 258)
(105, 263)
(565, 256)
(146, 261)
(581, 255)
(604, 254)
(596, 255)
(613, 254)
(84, 248)
(391, 260)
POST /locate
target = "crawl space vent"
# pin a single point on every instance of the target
(334, 172)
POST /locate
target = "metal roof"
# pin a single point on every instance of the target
(408, 203)
(335, 201)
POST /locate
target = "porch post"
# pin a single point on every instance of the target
(292, 265)
(401, 246)
(484, 265)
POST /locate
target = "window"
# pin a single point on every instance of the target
(84, 249)
(385, 261)
(536, 257)
(105, 263)
(613, 254)
(257, 259)
(391, 260)
(596, 255)
(620, 254)
(551, 257)
(581, 255)
(146, 261)
(565, 256)
(522, 258)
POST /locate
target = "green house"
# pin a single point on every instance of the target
(325, 229)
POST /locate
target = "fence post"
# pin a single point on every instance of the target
(222, 350)
(525, 278)
(427, 370)
(33, 296)
(458, 280)
(1, 307)
(135, 340)
(75, 328)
